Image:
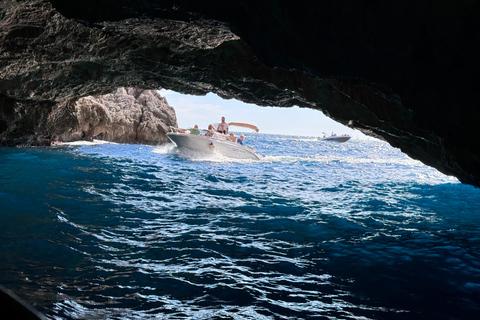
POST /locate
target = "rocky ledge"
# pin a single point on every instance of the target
(404, 71)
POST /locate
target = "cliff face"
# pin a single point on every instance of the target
(403, 71)
(128, 115)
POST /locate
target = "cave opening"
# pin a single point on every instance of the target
(293, 121)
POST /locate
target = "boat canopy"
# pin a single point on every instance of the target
(244, 125)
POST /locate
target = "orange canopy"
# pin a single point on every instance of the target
(244, 125)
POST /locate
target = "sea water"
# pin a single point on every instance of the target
(314, 230)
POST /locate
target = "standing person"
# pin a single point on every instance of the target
(223, 127)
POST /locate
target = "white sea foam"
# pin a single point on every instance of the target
(87, 143)
(164, 149)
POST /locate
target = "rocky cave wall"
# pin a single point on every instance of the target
(400, 70)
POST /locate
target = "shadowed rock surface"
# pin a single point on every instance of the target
(128, 115)
(400, 70)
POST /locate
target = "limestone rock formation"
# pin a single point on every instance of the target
(405, 71)
(128, 115)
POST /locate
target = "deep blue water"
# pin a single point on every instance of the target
(313, 231)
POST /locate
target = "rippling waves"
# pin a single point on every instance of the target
(313, 230)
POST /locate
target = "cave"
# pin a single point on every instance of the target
(404, 72)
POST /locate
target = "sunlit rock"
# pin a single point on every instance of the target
(127, 116)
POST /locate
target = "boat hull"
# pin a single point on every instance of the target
(205, 144)
(336, 138)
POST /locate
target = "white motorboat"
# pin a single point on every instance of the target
(335, 138)
(214, 142)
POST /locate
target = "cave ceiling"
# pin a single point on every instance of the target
(402, 71)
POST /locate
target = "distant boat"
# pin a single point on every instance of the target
(333, 137)
(214, 142)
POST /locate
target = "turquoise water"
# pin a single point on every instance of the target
(314, 230)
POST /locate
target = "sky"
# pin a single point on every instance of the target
(295, 121)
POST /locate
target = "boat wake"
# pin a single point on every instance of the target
(165, 149)
(306, 139)
(340, 159)
(193, 155)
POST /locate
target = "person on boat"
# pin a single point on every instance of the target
(211, 130)
(194, 130)
(232, 137)
(223, 127)
(240, 140)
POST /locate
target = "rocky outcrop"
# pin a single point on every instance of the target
(128, 115)
(402, 71)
